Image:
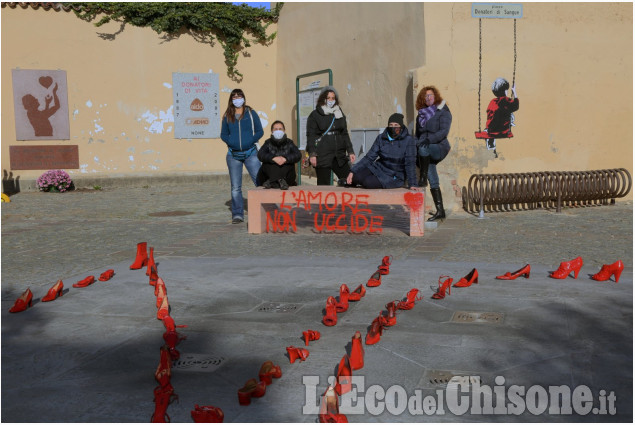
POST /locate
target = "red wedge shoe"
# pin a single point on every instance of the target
(375, 279)
(107, 275)
(330, 318)
(296, 353)
(609, 270)
(520, 272)
(268, 371)
(411, 297)
(23, 302)
(207, 414)
(357, 294)
(84, 282)
(54, 292)
(342, 304)
(150, 261)
(142, 256)
(467, 280)
(310, 336)
(344, 376)
(329, 408)
(251, 389)
(357, 351)
(443, 286)
(567, 267)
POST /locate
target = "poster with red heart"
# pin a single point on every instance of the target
(40, 99)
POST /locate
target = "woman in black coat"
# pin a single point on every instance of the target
(278, 156)
(328, 143)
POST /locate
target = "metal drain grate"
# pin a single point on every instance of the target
(279, 307)
(446, 378)
(475, 317)
(199, 362)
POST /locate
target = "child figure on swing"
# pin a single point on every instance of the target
(500, 117)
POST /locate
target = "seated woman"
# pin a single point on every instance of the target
(278, 156)
(390, 161)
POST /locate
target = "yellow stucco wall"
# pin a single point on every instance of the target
(120, 94)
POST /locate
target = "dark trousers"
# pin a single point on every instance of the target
(275, 172)
(324, 173)
(366, 179)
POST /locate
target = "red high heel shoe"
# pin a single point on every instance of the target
(391, 317)
(84, 282)
(384, 268)
(357, 351)
(310, 336)
(520, 272)
(172, 339)
(296, 353)
(23, 302)
(330, 318)
(375, 332)
(567, 267)
(164, 310)
(142, 256)
(150, 261)
(251, 389)
(268, 370)
(207, 414)
(375, 279)
(107, 275)
(329, 408)
(342, 304)
(446, 285)
(153, 275)
(609, 270)
(159, 285)
(357, 294)
(163, 396)
(161, 294)
(409, 302)
(467, 280)
(164, 369)
(54, 292)
(344, 376)
(169, 324)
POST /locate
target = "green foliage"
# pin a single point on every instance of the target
(224, 22)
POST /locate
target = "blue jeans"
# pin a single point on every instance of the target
(236, 177)
(434, 152)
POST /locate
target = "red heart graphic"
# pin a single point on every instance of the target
(46, 81)
(413, 200)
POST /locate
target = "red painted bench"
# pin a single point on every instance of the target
(341, 208)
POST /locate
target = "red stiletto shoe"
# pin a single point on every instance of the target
(107, 275)
(467, 280)
(164, 369)
(23, 302)
(153, 275)
(330, 318)
(164, 310)
(445, 286)
(375, 332)
(344, 376)
(357, 294)
(520, 272)
(391, 317)
(296, 353)
(357, 351)
(142, 256)
(150, 261)
(54, 292)
(375, 279)
(84, 282)
(310, 336)
(267, 371)
(251, 389)
(342, 304)
(609, 270)
(207, 414)
(329, 408)
(567, 267)
(163, 396)
(409, 302)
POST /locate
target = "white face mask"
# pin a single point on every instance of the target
(238, 102)
(278, 134)
(330, 103)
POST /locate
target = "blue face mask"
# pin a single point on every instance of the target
(278, 134)
(238, 102)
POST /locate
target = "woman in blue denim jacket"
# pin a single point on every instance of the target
(241, 129)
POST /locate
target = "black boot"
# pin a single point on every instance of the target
(424, 162)
(438, 202)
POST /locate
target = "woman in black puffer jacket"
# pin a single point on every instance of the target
(278, 156)
(327, 140)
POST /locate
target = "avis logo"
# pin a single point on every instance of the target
(196, 105)
(197, 121)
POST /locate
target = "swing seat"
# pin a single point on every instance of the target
(486, 135)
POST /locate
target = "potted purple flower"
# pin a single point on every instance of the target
(54, 181)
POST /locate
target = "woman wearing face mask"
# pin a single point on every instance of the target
(328, 143)
(433, 125)
(241, 129)
(278, 155)
(390, 161)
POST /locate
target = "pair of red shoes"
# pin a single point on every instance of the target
(567, 267)
(333, 306)
(254, 388)
(296, 353)
(89, 280)
(25, 300)
(383, 269)
(445, 285)
(382, 321)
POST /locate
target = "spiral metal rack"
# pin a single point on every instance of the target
(544, 189)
